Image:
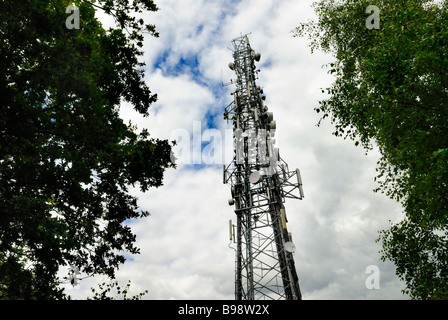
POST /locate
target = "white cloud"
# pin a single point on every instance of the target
(184, 253)
(180, 102)
(184, 240)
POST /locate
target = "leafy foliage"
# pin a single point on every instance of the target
(106, 290)
(391, 90)
(66, 157)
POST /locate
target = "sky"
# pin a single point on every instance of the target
(184, 242)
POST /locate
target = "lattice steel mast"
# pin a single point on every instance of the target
(260, 182)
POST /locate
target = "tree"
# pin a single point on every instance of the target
(106, 290)
(67, 159)
(391, 90)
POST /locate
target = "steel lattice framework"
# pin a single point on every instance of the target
(260, 182)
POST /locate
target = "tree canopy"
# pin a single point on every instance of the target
(391, 90)
(67, 159)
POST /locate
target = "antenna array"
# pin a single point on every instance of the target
(260, 181)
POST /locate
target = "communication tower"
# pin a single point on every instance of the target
(260, 181)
